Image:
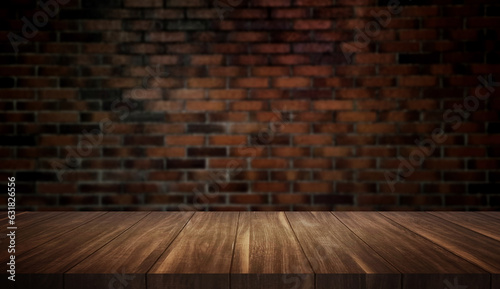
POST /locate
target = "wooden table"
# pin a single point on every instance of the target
(243, 250)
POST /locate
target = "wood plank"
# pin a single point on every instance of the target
(125, 260)
(338, 256)
(44, 267)
(200, 256)
(30, 237)
(4, 214)
(29, 219)
(480, 223)
(268, 255)
(495, 215)
(472, 246)
(422, 263)
(22, 222)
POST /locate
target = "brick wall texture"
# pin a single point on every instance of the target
(251, 104)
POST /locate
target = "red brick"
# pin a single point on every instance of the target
(289, 13)
(377, 200)
(418, 81)
(228, 163)
(206, 83)
(184, 140)
(312, 24)
(202, 13)
(333, 105)
(378, 128)
(352, 70)
(313, 163)
(312, 139)
(228, 117)
(421, 34)
(143, 3)
(186, 3)
(269, 163)
(247, 37)
(58, 140)
(227, 94)
(376, 105)
(228, 139)
(292, 82)
(290, 59)
(312, 71)
(248, 105)
(290, 105)
(163, 105)
(420, 11)
(333, 82)
(248, 199)
(332, 128)
(313, 3)
(200, 105)
(290, 152)
(248, 13)
(355, 2)
(166, 152)
(207, 59)
(464, 152)
(421, 104)
(333, 175)
(270, 71)
(270, 48)
(313, 187)
(185, 93)
(231, 71)
(352, 93)
(353, 116)
(399, 46)
(333, 151)
(249, 82)
(17, 164)
(270, 187)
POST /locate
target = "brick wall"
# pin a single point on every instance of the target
(251, 105)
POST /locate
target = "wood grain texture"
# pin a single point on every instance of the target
(28, 219)
(130, 255)
(4, 214)
(43, 231)
(422, 263)
(338, 257)
(480, 223)
(24, 222)
(200, 256)
(495, 215)
(43, 268)
(470, 245)
(223, 250)
(268, 255)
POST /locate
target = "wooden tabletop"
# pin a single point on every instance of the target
(253, 250)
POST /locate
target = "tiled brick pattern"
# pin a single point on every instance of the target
(160, 105)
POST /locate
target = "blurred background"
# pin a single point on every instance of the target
(251, 104)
